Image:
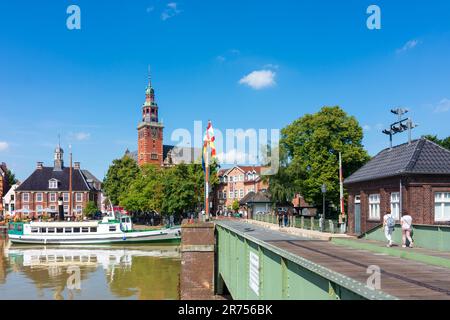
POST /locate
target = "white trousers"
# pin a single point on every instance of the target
(388, 234)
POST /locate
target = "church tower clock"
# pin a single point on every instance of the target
(150, 131)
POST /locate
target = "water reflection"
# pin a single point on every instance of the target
(101, 272)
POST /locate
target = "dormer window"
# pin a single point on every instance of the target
(53, 184)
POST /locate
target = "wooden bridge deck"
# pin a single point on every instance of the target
(402, 278)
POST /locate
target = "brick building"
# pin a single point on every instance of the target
(40, 192)
(3, 184)
(151, 148)
(413, 176)
(236, 183)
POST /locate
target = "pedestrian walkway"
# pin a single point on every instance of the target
(400, 277)
(433, 257)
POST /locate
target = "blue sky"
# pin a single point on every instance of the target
(242, 64)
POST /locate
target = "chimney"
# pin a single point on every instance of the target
(40, 165)
(76, 165)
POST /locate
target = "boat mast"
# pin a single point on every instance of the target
(70, 182)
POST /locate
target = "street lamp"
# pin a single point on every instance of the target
(324, 191)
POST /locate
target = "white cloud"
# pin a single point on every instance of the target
(170, 11)
(81, 136)
(4, 145)
(443, 106)
(259, 79)
(411, 44)
(367, 127)
(150, 9)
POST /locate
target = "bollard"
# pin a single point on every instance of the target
(302, 222)
(312, 223)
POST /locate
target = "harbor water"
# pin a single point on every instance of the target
(143, 272)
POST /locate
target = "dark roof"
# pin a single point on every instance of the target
(252, 197)
(178, 154)
(421, 156)
(38, 180)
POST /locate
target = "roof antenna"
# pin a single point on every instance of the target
(400, 126)
(149, 76)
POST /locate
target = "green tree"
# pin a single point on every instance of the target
(145, 192)
(10, 179)
(312, 144)
(120, 175)
(91, 209)
(235, 205)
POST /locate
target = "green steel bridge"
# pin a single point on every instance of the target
(253, 262)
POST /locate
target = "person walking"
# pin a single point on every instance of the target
(286, 219)
(389, 226)
(406, 222)
(280, 219)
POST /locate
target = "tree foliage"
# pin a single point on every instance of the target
(311, 145)
(91, 209)
(167, 191)
(120, 175)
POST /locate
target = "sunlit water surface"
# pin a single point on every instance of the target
(91, 273)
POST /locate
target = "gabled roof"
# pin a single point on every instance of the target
(421, 156)
(252, 197)
(38, 180)
(244, 169)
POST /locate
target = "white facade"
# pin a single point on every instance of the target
(9, 201)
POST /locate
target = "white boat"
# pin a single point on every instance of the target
(110, 230)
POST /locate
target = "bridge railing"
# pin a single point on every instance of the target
(309, 223)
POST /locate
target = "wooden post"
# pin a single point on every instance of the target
(302, 222)
(312, 223)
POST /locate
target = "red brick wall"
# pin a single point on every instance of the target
(417, 198)
(148, 145)
(197, 261)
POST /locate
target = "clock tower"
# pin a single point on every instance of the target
(150, 131)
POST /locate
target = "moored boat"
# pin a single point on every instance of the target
(110, 230)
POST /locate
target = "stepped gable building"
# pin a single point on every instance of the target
(414, 176)
(235, 183)
(151, 148)
(3, 184)
(40, 192)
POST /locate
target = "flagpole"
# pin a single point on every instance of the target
(70, 183)
(207, 184)
(341, 184)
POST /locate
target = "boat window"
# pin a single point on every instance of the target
(43, 230)
(124, 219)
(59, 230)
(93, 229)
(51, 230)
(76, 229)
(68, 230)
(11, 226)
(34, 230)
(112, 228)
(19, 227)
(85, 229)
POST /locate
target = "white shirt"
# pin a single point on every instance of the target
(406, 222)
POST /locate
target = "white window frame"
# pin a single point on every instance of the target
(395, 205)
(374, 206)
(39, 195)
(231, 194)
(39, 209)
(25, 197)
(441, 201)
(53, 197)
(80, 208)
(53, 184)
(79, 194)
(65, 197)
(241, 193)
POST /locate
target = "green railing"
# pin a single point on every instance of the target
(309, 223)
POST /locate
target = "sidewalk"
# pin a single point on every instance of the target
(428, 256)
(304, 233)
